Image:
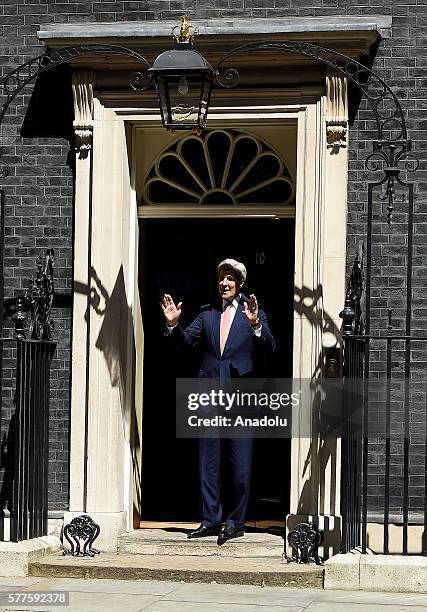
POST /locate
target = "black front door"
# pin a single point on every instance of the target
(180, 257)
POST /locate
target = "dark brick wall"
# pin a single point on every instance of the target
(39, 215)
(39, 188)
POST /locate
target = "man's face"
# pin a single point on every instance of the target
(228, 284)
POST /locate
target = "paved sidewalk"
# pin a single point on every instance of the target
(153, 596)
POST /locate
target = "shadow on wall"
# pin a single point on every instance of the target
(116, 340)
(322, 450)
(113, 335)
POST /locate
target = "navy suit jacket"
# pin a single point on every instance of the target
(241, 350)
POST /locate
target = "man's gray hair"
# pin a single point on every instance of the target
(238, 267)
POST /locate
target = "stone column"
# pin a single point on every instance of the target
(334, 267)
(104, 451)
(320, 245)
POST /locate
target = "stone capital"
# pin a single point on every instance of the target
(82, 85)
(336, 111)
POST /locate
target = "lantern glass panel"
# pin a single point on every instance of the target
(184, 95)
(163, 95)
(183, 99)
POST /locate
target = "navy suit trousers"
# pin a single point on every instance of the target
(239, 460)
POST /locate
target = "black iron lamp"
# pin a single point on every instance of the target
(183, 81)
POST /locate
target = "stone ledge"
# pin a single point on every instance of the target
(389, 573)
(224, 27)
(16, 556)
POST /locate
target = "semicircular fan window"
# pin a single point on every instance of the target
(219, 167)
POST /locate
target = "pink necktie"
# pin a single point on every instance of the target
(225, 326)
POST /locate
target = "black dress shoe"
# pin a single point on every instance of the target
(203, 532)
(228, 533)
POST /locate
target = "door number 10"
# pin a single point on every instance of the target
(260, 258)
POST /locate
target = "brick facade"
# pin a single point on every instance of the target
(39, 187)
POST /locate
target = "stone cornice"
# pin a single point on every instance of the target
(381, 24)
(353, 36)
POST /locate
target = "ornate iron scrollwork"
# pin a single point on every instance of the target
(385, 106)
(352, 313)
(14, 81)
(387, 156)
(38, 298)
(140, 80)
(392, 145)
(84, 528)
(305, 540)
(229, 78)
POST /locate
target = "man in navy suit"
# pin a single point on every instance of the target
(230, 336)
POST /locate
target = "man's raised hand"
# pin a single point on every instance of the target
(251, 311)
(171, 311)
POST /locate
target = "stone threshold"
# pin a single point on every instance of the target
(174, 541)
(245, 571)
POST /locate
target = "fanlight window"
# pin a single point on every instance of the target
(219, 167)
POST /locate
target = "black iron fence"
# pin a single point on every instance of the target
(384, 469)
(25, 450)
(351, 451)
(25, 385)
(384, 449)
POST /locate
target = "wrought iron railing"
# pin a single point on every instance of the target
(384, 450)
(390, 491)
(27, 441)
(25, 386)
(351, 451)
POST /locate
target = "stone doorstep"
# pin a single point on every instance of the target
(250, 571)
(171, 542)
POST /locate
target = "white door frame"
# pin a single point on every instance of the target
(106, 401)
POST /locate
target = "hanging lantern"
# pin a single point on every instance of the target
(183, 81)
